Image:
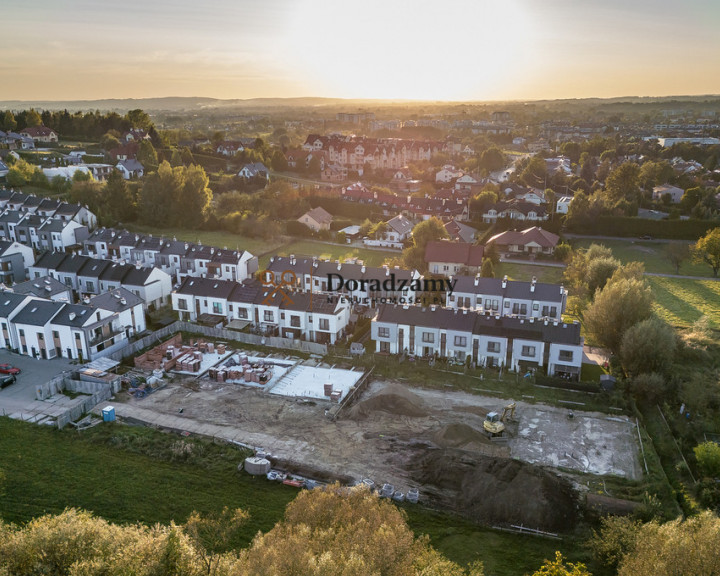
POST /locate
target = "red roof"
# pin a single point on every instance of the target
(535, 235)
(454, 252)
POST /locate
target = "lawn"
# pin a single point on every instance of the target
(219, 238)
(681, 301)
(652, 254)
(329, 251)
(525, 272)
(128, 474)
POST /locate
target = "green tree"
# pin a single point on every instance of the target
(535, 173)
(480, 203)
(8, 122)
(707, 455)
(615, 539)
(559, 567)
(139, 119)
(618, 306)
(279, 162)
(426, 231)
(109, 141)
(599, 271)
(492, 159)
(679, 547)
(648, 346)
(20, 173)
(159, 191)
(623, 183)
(487, 270)
(119, 200)
(563, 252)
(32, 118)
(147, 156)
(213, 534)
(707, 250)
(676, 253)
(572, 150)
(193, 199)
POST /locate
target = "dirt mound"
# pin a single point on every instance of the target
(498, 490)
(394, 399)
(459, 435)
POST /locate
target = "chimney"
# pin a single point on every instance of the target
(504, 282)
(362, 269)
(187, 245)
(432, 308)
(532, 284)
(477, 279)
(387, 271)
(86, 300)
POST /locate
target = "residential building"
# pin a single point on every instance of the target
(254, 170)
(45, 287)
(508, 297)
(40, 134)
(130, 169)
(518, 344)
(459, 232)
(128, 307)
(452, 258)
(316, 219)
(673, 192)
(533, 240)
(10, 305)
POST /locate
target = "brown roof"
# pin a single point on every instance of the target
(535, 234)
(455, 252)
(36, 131)
(320, 215)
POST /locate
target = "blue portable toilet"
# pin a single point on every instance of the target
(108, 414)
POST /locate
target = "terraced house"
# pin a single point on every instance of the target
(485, 340)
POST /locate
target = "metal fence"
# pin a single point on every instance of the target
(219, 334)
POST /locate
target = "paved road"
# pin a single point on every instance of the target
(21, 395)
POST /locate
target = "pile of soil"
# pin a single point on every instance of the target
(498, 490)
(394, 399)
(459, 435)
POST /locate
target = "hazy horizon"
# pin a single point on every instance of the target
(460, 51)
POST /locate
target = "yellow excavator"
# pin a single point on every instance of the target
(494, 423)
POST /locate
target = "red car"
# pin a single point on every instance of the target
(9, 369)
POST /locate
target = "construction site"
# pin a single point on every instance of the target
(497, 462)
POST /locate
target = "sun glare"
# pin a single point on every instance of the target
(419, 49)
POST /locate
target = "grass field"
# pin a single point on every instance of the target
(127, 474)
(217, 238)
(331, 252)
(652, 254)
(681, 301)
(525, 272)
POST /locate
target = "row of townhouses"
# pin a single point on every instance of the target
(43, 328)
(174, 257)
(88, 277)
(505, 297)
(267, 310)
(486, 340)
(43, 223)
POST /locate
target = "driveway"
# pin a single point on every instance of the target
(20, 395)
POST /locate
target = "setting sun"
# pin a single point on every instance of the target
(410, 50)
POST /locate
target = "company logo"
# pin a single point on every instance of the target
(287, 279)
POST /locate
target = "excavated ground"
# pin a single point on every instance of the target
(429, 439)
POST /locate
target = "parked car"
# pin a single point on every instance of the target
(9, 369)
(5, 381)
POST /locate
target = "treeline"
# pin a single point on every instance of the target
(78, 125)
(625, 226)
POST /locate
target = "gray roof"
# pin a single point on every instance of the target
(137, 276)
(11, 216)
(38, 312)
(131, 165)
(43, 287)
(75, 315)
(5, 246)
(116, 301)
(9, 301)
(206, 287)
(94, 268)
(513, 288)
(115, 272)
(50, 260)
(66, 209)
(72, 264)
(477, 323)
(401, 224)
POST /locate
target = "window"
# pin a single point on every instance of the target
(68, 281)
(536, 307)
(295, 321)
(324, 324)
(385, 347)
(56, 336)
(182, 304)
(22, 333)
(41, 337)
(523, 309)
(428, 337)
(90, 285)
(268, 316)
(553, 311)
(528, 351)
(566, 355)
(545, 311)
(493, 347)
(242, 313)
(217, 308)
(460, 341)
(383, 332)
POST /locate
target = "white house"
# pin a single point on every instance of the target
(127, 306)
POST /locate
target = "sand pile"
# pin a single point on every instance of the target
(499, 490)
(394, 399)
(458, 435)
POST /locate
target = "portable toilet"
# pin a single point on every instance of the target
(108, 414)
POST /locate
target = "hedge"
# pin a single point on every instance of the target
(634, 227)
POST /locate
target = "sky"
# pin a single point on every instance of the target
(389, 49)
